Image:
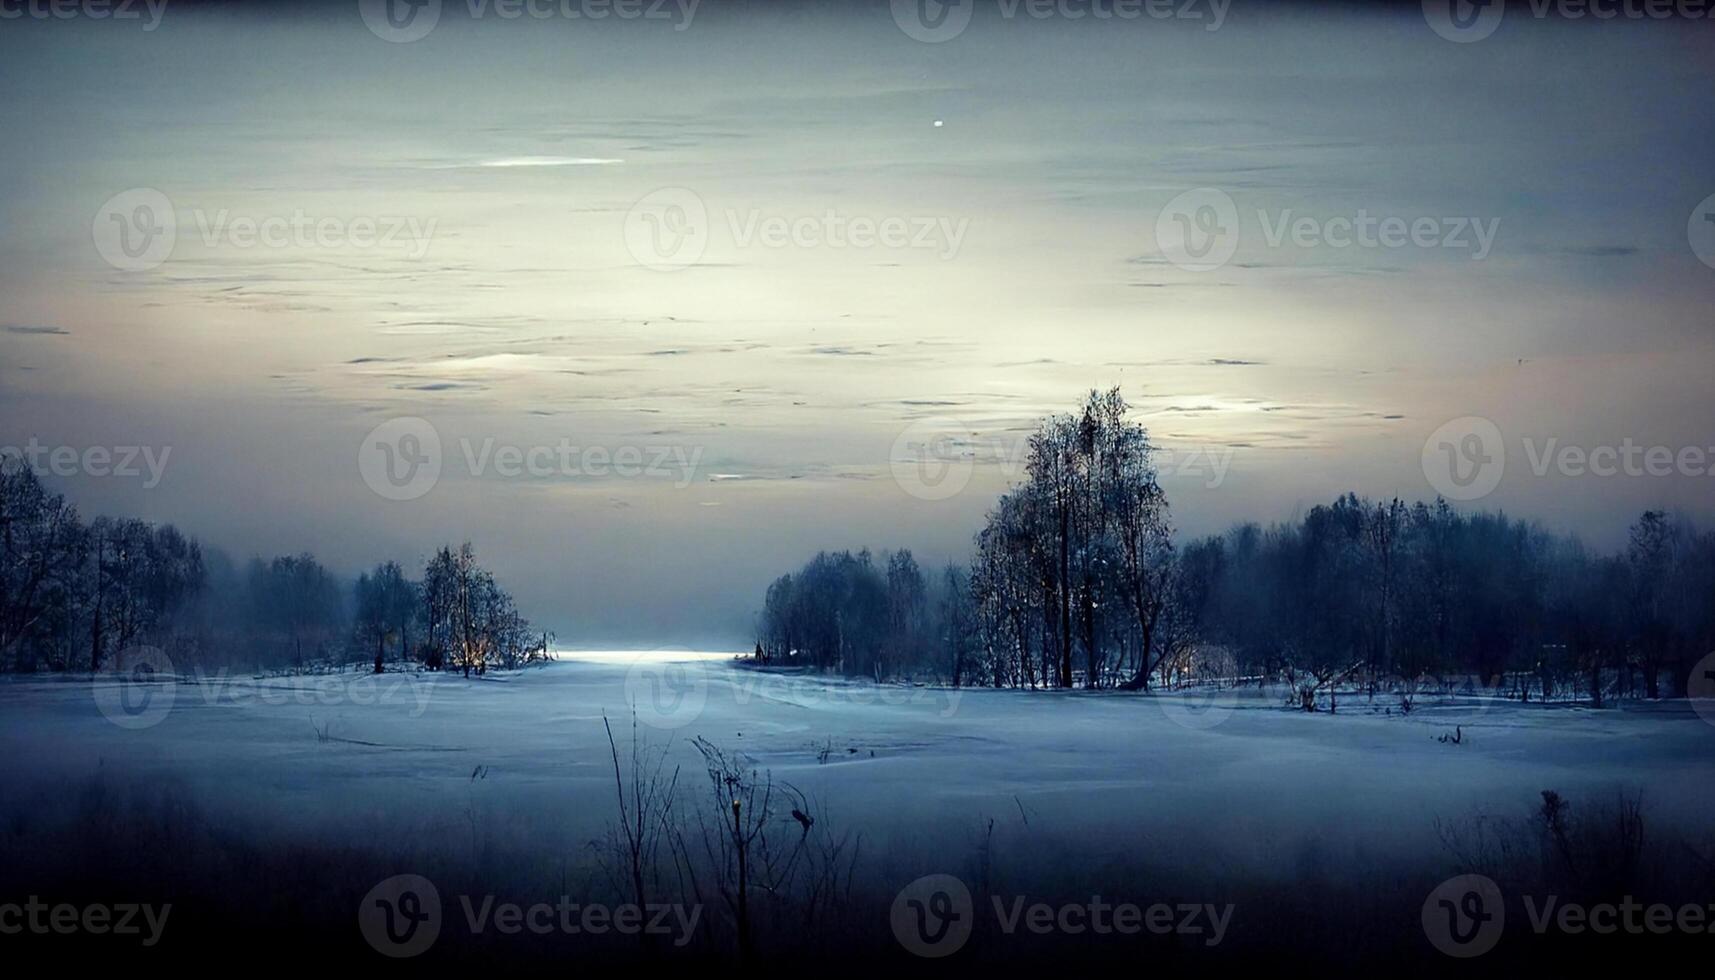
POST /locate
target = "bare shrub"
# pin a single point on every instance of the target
(764, 852)
(645, 817)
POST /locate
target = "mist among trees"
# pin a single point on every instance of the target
(1077, 582)
(75, 595)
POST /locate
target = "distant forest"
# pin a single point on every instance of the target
(1076, 582)
(77, 595)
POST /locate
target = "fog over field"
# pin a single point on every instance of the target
(506, 787)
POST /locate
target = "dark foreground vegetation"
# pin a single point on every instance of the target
(77, 595)
(774, 894)
(1077, 582)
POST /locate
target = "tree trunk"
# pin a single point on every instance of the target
(95, 641)
(95, 626)
(1146, 626)
(1065, 600)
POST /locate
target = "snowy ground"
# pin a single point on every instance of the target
(1076, 780)
(1234, 775)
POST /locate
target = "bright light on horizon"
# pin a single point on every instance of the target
(658, 655)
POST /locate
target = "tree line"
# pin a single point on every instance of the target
(74, 594)
(1077, 581)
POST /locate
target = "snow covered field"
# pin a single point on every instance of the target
(1072, 792)
(1237, 771)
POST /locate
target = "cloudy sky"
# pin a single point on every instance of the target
(683, 298)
